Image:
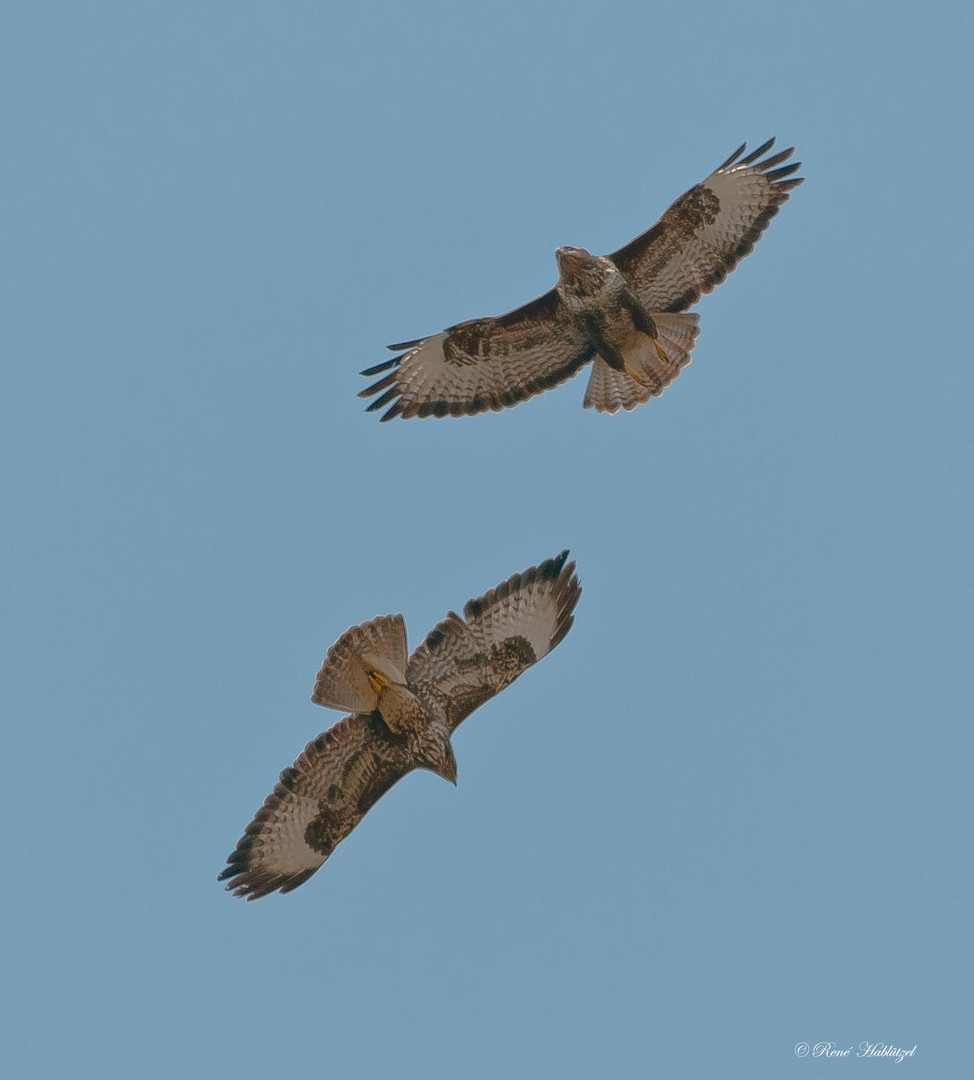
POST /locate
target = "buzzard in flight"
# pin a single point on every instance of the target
(625, 312)
(403, 713)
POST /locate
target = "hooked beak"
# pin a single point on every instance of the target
(570, 259)
(449, 770)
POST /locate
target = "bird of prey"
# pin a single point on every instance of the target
(625, 312)
(402, 714)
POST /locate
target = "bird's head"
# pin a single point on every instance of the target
(572, 261)
(582, 275)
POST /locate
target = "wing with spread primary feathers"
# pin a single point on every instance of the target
(481, 364)
(707, 231)
(463, 663)
(316, 803)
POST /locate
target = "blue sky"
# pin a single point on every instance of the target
(732, 811)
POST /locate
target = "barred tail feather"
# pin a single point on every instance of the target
(678, 334)
(378, 645)
(610, 390)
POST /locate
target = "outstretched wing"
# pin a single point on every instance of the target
(463, 663)
(481, 364)
(316, 803)
(707, 231)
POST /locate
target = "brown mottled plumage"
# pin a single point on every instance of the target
(403, 713)
(625, 312)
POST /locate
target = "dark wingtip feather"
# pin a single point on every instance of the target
(381, 402)
(406, 345)
(737, 153)
(388, 383)
(755, 154)
(569, 590)
(777, 177)
(377, 387)
(785, 170)
(776, 159)
(251, 883)
(562, 632)
(384, 366)
(551, 568)
(298, 879)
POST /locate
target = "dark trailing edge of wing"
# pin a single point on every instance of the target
(781, 187)
(628, 258)
(540, 307)
(388, 389)
(549, 569)
(246, 873)
(568, 589)
(630, 254)
(246, 879)
(555, 586)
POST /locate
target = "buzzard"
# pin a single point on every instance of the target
(625, 312)
(403, 713)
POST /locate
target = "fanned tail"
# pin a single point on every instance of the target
(347, 679)
(647, 373)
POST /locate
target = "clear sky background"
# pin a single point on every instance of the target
(732, 811)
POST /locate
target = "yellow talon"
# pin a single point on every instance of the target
(377, 681)
(629, 371)
(660, 351)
